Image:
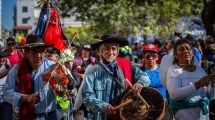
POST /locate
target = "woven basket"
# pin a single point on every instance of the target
(140, 112)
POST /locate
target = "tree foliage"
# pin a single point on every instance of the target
(84, 35)
(131, 17)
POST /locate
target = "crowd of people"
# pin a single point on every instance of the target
(97, 79)
(36, 85)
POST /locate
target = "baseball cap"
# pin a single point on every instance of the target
(150, 47)
(86, 47)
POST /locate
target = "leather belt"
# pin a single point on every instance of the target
(38, 115)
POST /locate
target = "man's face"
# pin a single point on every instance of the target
(11, 45)
(35, 57)
(110, 51)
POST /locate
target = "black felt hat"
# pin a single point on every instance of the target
(110, 38)
(34, 41)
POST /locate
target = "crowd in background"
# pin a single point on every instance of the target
(153, 58)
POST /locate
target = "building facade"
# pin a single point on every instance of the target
(26, 14)
(24, 17)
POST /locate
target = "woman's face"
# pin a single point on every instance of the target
(184, 53)
(48, 5)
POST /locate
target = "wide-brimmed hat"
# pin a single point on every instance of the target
(34, 41)
(110, 38)
(150, 47)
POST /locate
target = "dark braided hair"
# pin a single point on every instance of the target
(179, 42)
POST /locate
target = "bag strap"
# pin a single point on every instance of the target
(113, 78)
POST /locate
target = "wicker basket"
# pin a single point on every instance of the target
(140, 112)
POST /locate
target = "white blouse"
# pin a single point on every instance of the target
(180, 87)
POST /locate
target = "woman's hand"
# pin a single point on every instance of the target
(204, 81)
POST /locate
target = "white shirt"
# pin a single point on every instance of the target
(166, 62)
(180, 86)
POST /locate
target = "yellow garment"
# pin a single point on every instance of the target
(62, 101)
(126, 48)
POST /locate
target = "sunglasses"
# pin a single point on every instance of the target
(11, 44)
(148, 56)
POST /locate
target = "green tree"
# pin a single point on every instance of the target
(84, 36)
(130, 17)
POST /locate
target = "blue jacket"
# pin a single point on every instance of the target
(47, 98)
(97, 87)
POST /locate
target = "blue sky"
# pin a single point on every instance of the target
(7, 13)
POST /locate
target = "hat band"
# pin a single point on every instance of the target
(34, 44)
